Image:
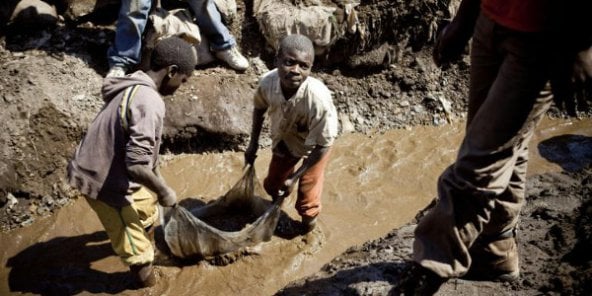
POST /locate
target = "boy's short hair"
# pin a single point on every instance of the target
(297, 42)
(173, 51)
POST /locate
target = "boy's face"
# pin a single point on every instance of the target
(171, 82)
(293, 68)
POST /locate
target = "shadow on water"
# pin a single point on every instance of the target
(571, 152)
(344, 281)
(62, 266)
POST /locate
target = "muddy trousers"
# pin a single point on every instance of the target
(481, 194)
(126, 226)
(310, 185)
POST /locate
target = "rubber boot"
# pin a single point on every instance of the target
(143, 275)
(308, 224)
(496, 260)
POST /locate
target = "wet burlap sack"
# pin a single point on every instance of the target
(239, 219)
(324, 22)
(180, 23)
(280, 18)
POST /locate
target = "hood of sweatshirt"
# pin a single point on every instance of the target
(112, 86)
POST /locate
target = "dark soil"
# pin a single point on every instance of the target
(554, 237)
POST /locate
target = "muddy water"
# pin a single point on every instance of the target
(373, 184)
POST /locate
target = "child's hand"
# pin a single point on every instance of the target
(168, 198)
(250, 155)
(287, 187)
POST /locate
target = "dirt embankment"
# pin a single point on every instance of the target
(50, 81)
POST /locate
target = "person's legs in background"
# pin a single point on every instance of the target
(125, 51)
(222, 43)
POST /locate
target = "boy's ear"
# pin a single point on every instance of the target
(172, 70)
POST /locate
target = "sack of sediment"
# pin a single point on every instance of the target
(239, 219)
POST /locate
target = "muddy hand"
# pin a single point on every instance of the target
(287, 188)
(572, 83)
(168, 198)
(250, 155)
(450, 44)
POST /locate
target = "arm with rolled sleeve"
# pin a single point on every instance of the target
(259, 110)
(145, 122)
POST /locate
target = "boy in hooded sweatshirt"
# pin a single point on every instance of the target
(117, 161)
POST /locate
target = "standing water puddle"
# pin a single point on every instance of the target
(373, 184)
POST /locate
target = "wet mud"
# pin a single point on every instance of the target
(375, 183)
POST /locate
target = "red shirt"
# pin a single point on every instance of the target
(520, 15)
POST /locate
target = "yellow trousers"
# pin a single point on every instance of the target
(126, 226)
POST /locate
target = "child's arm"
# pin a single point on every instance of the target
(260, 107)
(146, 115)
(317, 153)
(251, 152)
(144, 175)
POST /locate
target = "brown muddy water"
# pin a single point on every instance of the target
(374, 183)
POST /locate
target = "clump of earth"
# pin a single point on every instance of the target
(50, 91)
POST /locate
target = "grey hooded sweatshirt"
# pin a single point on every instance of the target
(99, 166)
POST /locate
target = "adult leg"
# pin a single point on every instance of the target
(223, 44)
(209, 20)
(495, 252)
(472, 188)
(133, 16)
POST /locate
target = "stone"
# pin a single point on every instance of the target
(34, 14)
(346, 125)
(76, 9)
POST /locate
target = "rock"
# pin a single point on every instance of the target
(380, 57)
(218, 105)
(34, 14)
(47, 200)
(418, 109)
(346, 125)
(11, 201)
(76, 9)
(259, 66)
(227, 8)
(446, 105)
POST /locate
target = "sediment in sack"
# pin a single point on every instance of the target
(234, 219)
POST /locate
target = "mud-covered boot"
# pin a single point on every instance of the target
(143, 275)
(495, 259)
(308, 224)
(419, 281)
